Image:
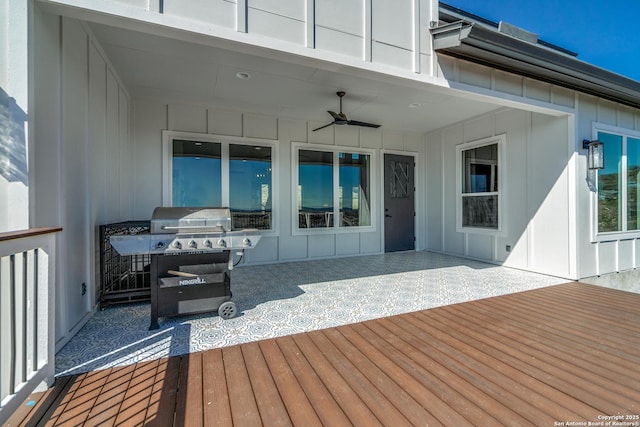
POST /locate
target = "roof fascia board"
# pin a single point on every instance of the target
(480, 44)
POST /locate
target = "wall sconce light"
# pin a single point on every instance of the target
(595, 155)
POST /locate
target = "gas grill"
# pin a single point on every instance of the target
(191, 257)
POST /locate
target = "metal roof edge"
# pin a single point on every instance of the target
(482, 43)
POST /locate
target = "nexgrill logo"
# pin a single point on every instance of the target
(195, 281)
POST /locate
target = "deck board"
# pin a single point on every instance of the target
(244, 409)
(356, 410)
(105, 408)
(270, 404)
(563, 353)
(300, 410)
(514, 364)
(189, 400)
(164, 391)
(327, 409)
(137, 398)
(363, 387)
(498, 380)
(217, 409)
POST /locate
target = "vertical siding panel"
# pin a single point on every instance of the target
(97, 129)
(453, 242)
(97, 149)
(75, 188)
(368, 32)
(241, 16)
(340, 26)
(114, 168)
(310, 14)
(625, 256)
(125, 155)
(284, 20)
(515, 210)
(221, 122)
(416, 36)
(222, 13)
(188, 118)
(550, 215)
(434, 191)
(588, 253)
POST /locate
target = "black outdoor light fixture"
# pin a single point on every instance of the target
(595, 154)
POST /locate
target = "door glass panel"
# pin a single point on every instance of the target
(315, 189)
(196, 173)
(250, 186)
(399, 180)
(354, 189)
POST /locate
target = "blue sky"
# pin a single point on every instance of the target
(603, 33)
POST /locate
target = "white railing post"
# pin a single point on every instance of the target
(27, 315)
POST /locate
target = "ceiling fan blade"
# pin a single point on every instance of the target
(322, 127)
(364, 124)
(341, 118)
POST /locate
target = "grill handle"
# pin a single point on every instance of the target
(217, 228)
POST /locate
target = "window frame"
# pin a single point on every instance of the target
(225, 141)
(335, 150)
(606, 236)
(500, 140)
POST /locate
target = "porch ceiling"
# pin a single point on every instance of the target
(178, 71)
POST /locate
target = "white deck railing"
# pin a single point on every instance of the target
(27, 315)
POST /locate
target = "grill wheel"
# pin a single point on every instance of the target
(227, 310)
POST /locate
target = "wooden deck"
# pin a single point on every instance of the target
(562, 354)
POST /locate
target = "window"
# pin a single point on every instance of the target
(333, 189)
(618, 190)
(355, 176)
(479, 184)
(315, 189)
(250, 186)
(233, 174)
(196, 175)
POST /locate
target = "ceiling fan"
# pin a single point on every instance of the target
(341, 118)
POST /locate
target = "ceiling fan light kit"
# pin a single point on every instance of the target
(341, 118)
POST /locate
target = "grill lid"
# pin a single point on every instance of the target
(176, 230)
(182, 220)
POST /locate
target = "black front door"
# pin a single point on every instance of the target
(399, 209)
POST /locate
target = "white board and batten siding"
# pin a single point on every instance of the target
(387, 33)
(534, 192)
(151, 117)
(552, 229)
(82, 160)
(602, 254)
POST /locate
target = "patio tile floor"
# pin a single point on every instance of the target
(286, 298)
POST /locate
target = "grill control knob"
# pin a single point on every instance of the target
(222, 243)
(192, 244)
(160, 245)
(177, 245)
(207, 243)
(247, 242)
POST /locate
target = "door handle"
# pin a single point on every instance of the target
(387, 216)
